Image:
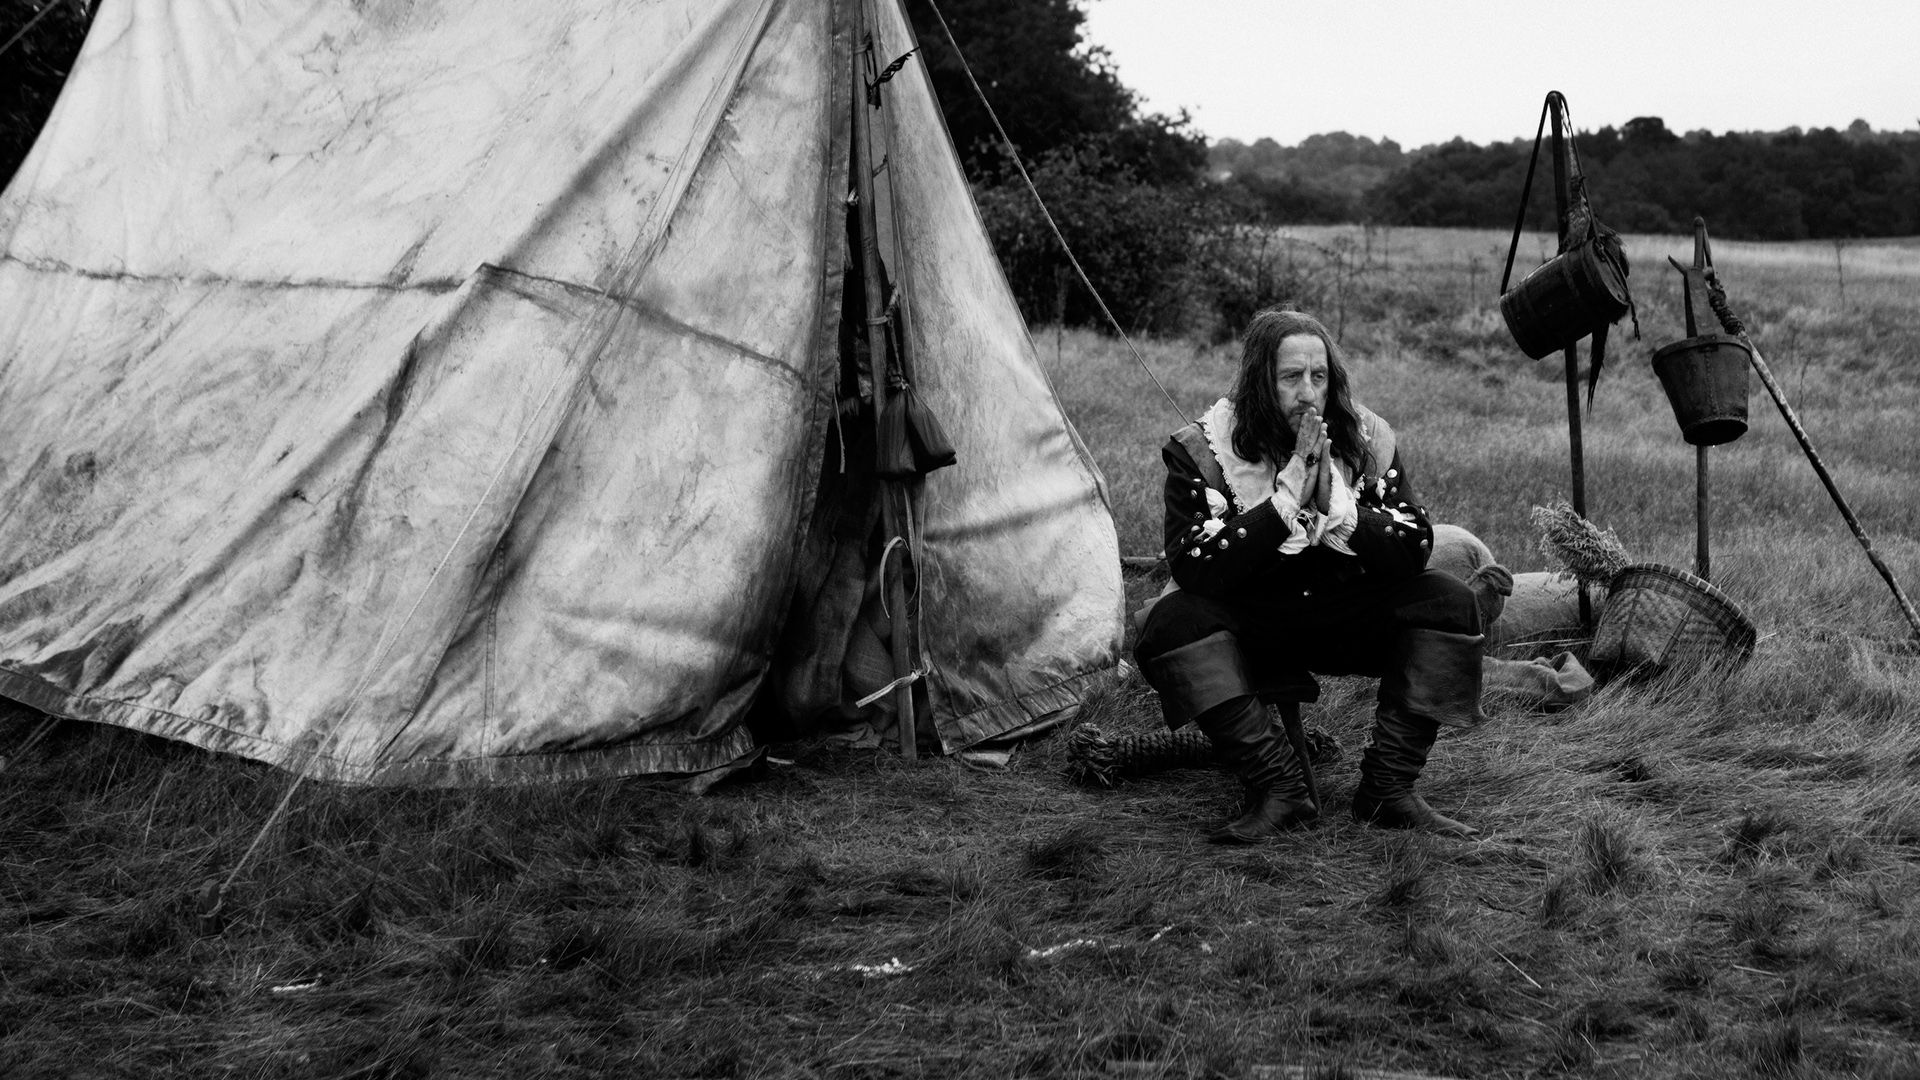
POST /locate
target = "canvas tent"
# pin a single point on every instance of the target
(410, 392)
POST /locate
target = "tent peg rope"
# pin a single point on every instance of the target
(1013, 154)
(32, 740)
(31, 23)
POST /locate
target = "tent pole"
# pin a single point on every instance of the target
(1562, 199)
(1702, 513)
(899, 626)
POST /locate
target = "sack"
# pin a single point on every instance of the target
(911, 441)
(931, 447)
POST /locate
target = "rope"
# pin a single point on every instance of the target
(31, 23)
(1014, 155)
(918, 613)
(908, 679)
(1526, 191)
(32, 740)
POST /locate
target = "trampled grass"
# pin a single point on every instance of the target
(1712, 876)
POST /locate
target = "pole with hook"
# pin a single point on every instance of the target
(892, 492)
(1563, 169)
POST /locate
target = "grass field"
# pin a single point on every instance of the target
(1712, 877)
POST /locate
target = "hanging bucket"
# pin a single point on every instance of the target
(1565, 298)
(1705, 379)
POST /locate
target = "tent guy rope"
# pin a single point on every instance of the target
(31, 23)
(1013, 154)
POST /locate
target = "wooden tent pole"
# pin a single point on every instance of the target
(1562, 200)
(1702, 514)
(893, 585)
(1702, 485)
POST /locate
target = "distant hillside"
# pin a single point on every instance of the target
(1785, 185)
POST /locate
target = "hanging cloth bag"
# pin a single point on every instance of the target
(912, 442)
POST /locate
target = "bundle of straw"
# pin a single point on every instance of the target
(1590, 554)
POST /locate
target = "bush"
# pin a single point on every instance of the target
(1246, 269)
(1165, 259)
(1139, 245)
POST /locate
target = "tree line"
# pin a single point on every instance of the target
(1641, 177)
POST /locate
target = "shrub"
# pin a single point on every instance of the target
(1246, 269)
(1165, 259)
(1138, 244)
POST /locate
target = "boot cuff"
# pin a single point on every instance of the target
(1438, 675)
(1198, 676)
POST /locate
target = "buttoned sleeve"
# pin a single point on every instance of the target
(1393, 536)
(1212, 550)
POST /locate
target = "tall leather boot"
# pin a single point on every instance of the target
(1277, 796)
(1206, 681)
(1433, 678)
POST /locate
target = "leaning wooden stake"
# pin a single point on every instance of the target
(1717, 297)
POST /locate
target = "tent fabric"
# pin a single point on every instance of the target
(414, 393)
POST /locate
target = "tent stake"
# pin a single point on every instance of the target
(899, 625)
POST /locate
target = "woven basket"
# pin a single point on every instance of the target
(1658, 618)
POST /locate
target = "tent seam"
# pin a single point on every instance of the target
(54, 266)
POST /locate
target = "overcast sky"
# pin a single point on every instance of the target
(1423, 71)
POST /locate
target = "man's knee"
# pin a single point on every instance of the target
(1180, 618)
(1433, 600)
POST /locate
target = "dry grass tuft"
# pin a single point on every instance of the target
(1610, 855)
(1077, 852)
(1755, 836)
(1407, 870)
(1559, 903)
(1777, 1050)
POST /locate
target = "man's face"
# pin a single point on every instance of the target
(1300, 377)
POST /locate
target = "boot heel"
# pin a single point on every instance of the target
(1408, 811)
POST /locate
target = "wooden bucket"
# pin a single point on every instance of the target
(1565, 298)
(1705, 379)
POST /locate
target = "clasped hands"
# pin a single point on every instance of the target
(1314, 448)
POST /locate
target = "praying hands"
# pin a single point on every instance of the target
(1314, 448)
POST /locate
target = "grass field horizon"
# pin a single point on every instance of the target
(1715, 875)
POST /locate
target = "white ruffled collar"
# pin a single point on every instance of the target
(1248, 482)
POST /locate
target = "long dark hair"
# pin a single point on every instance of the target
(1260, 428)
